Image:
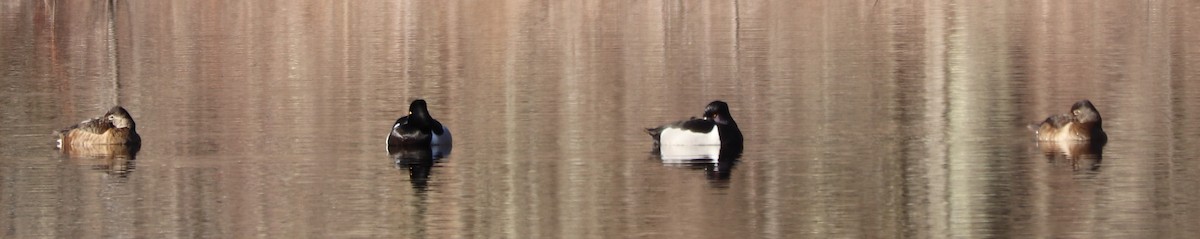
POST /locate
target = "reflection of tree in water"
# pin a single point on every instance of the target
(1078, 154)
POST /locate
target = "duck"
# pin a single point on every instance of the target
(1082, 124)
(116, 127)
(715, 127)
(419, 129)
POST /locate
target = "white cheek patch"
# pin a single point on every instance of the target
(675, 136)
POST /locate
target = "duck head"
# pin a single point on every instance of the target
(418, 112)
(1085, 112)
(120, 118)
(718, 111)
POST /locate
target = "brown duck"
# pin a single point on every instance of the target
(1083, 123)
(115, 128)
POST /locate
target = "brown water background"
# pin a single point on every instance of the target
(863, 119)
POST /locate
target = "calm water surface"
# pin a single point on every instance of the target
(863, 119)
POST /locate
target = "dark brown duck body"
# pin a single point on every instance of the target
(115, 128)
(1083, 123)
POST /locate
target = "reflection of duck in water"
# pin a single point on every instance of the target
(1075, 152)
(713, 136)
(718, 172)
(111, 159)
(419, 130)
(419, 163)
(118, 165)
(721, 170)
(114, 134)
(1078, 135)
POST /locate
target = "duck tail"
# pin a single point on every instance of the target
(58, 138)
(655, 133)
